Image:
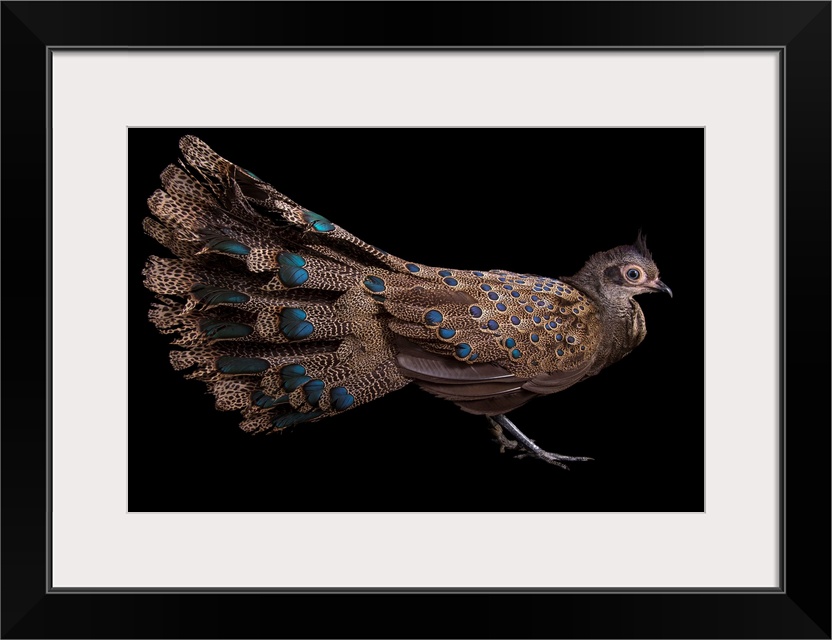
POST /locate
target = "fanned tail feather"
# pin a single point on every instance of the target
(277, 309)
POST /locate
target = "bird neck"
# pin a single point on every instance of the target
(623, 319)
(591, 282)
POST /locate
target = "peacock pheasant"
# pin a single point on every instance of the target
(289, 318)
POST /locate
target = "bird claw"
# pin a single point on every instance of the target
(557, 463)
(553, 458)
(506, 444)
(524, 447)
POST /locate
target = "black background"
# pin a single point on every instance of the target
(532, 200)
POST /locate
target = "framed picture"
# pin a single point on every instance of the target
(523, 137)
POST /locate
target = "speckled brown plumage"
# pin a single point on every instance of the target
(288, 318)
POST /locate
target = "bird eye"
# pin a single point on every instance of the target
(633, 274)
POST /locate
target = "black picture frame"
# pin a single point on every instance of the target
(800, 31)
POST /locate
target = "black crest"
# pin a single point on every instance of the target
(641, 245)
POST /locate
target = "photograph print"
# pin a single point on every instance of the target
(416, 319)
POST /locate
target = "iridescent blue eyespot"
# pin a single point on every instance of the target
(515, 320)
(500, 306)
(291, 272)
(570, 340)
(479, 274)
(228, 246)
(267, 402)
(433, 317)
(529, 308)
(493, 296)
(559, 337)
(340, 399)
(510, 343)
(293, 323)
(515, 294)
(209, 295)
(559, 352)
(475, 311)
(296, 417)
(493, 325)
(463, 350)
(234, 365)
(446, 333)
(318, 222)
(313, 390)
(220, 330)
(294, 375)
(451, 282)
(534, 337)
(413, 268)
(293, 370)
(515, 353)
(485, 287)
(444, 273)
(536, 319)
(374, 284)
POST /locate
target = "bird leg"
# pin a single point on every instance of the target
(521, 441)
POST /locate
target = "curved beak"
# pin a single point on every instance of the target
(658, 285)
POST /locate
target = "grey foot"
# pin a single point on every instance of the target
(524, 447)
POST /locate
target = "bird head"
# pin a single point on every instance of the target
(621, 273)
